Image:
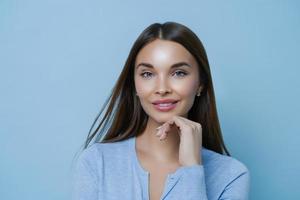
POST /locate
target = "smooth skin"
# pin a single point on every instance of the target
(169, 137)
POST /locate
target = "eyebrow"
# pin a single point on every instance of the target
(176, 65)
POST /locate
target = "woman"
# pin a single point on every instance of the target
(160, 136)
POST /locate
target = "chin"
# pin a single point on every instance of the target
(164, 117)
(160, 118)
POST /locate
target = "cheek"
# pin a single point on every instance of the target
(186, 88)
(142, 88)
(144, 91)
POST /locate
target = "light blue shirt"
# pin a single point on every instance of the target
(111, 171)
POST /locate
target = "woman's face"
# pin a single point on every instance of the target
(166, 70)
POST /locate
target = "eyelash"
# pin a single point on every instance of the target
(182, 72)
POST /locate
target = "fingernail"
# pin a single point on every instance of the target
(158, 127)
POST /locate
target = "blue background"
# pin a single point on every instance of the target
(59, 59)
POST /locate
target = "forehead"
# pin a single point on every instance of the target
(160, 52)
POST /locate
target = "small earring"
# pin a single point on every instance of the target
(198, 93)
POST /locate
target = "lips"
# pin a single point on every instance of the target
(165, 104)
(165, 101)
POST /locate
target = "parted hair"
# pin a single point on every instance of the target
(122, 116)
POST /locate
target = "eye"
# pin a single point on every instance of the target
(180, 73)
(146, 74)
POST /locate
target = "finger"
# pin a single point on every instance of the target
(168, 126)
(159, 131)
(189, 122)
(163, 136)
(194, 125)
(164, 131)
(158, 128)
(179, 122)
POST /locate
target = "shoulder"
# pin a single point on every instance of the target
(98, 152)
(216, 163)
(112, 148)
(89, 158)
(226, 176)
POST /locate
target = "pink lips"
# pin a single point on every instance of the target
(165, 105)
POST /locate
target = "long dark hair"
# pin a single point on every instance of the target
(125, 118)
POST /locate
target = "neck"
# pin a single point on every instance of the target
(162, 151)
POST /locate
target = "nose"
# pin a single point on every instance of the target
(162, 87)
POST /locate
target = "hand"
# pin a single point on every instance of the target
(190, 133)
